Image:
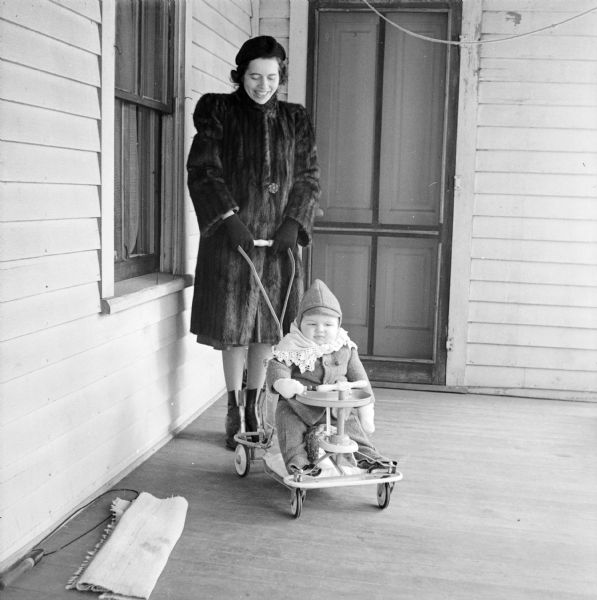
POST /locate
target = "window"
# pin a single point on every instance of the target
(143, 112)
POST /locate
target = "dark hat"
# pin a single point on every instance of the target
(319, 298)
(263, 46)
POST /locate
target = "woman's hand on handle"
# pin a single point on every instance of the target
(238, 234)
(286, 236)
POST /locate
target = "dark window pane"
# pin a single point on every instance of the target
(154, 49)
(127, 45)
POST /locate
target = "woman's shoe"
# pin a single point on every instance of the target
(232, 424)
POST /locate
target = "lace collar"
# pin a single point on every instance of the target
(296, 349)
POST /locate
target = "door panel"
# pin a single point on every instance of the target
(345, 269)
(412, 122)
(405, 298)
(346, 123)
(384, 110)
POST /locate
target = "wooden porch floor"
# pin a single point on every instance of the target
(498, 501)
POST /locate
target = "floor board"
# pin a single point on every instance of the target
(497, 501)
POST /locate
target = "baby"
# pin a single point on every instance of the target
(317, 351)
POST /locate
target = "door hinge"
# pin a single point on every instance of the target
(450, 344)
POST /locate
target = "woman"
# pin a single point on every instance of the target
(252, 174)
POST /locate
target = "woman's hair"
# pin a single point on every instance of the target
(236, 75)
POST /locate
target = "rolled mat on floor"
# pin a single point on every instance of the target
(129, 559)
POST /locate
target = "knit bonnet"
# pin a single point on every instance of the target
(320, 298)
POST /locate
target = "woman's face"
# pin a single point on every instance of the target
(261, 79)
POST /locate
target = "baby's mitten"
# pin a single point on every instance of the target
(288, 387)
(366, 417)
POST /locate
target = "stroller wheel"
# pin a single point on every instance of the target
(384, 493)
(242, 460)
(296, 502)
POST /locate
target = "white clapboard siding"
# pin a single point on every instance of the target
(37, 201)
(210, 64)
(43, 464)
(278, 28)
(572, 317)
(557, 93)
(69, 27)
(34, 125)
(518, 161)
(557, 7)
(556, 184)
(532, 320)
(536, 251)
(29, 353)
(533, 272)
(521, 21)
(546, 139)
(230, 23)
(46, 54)
(540, 71)
(30, 239)
(494, 334)
(532, 357)
(233, 12)
(91, 9)
(563, 207)
(102, 389)
(28, 277)
(59, 93)
(513, 292)
(119, 384)
(542, 46)
(72, 411)
(274, 9)
(28, 315)
(93, 366)
(534, 229)
(211, 44)
(543, 383)
(44, 164)
(521, 115)
(111, 454)
(218, 30)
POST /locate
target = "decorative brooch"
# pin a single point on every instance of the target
(273, 188)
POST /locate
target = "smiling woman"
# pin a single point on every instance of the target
(262, 79)
(253, 174)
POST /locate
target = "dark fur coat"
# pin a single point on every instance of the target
(241, 148)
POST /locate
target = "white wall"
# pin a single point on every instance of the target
(531, 307)
(85, 396)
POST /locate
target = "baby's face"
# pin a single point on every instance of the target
(321, 329)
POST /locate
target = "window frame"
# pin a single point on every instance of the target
(171, 251)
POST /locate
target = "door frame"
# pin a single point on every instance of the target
(411, 371)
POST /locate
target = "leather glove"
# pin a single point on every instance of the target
(286, 236)
(238, 234)
(288, 387)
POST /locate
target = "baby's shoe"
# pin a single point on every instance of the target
(308, 469)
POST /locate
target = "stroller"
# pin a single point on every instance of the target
(332, 441)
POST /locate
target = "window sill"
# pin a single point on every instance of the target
(138, 290)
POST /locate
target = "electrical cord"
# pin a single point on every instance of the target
(78, 512)
(476, 42)
(34, 556)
